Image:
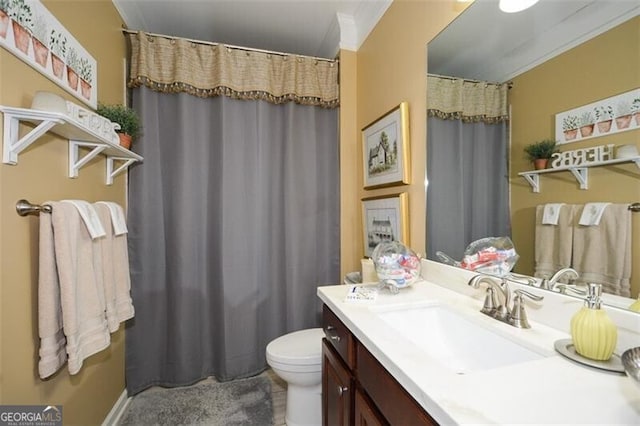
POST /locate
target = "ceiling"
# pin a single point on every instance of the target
(304, 27)
(483, 43)
(486, 44)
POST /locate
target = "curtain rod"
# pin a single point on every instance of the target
(247, 49)
(509, 83)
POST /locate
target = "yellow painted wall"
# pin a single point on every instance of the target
(39, 176)
(389, 69)
(602, 67)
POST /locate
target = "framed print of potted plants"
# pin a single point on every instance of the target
(385, 149)
(32, 33)
(385, 218)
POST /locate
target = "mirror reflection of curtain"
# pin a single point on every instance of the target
(233, 223)
(467, 164)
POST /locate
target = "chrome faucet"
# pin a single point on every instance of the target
(513, 315)
(491, 305)
(552, 283)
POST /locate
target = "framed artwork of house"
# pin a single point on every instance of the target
(385, 149)
(385, 218)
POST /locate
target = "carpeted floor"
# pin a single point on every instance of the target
(240, 402)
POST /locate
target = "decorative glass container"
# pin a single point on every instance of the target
(397, 265)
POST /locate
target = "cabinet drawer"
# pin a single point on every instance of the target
(394, 403)
(339, 337)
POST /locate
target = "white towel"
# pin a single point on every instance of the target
(553, 243)
(89, 216)
(592, 213)
(602, 254)
(551, 213)
(81, 287)
(117, 217)
(115, 269)
(52, 340)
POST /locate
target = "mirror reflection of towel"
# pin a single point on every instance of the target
(553, 242)
(602, 254)
(551, 213)
(592, 213)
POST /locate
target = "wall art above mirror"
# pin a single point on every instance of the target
(557, 55)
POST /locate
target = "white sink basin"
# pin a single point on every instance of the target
(455, 341)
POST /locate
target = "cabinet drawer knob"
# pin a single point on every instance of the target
(331, 334)
(342, 390)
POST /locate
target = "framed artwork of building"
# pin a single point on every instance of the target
(385, 218)
(385, 149)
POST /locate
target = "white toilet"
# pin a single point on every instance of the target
(297, 359)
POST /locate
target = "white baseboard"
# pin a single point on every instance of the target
(117, 410)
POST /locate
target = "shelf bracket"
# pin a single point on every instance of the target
(582, 176)
(534, 181)
(111, 173)
(13, 144)
(76, 162)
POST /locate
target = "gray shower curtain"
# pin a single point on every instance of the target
(468, 184)
(233, 223)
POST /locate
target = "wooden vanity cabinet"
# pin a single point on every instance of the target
(356, 388)
(337, 389)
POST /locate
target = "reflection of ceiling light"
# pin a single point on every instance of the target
(512, 6)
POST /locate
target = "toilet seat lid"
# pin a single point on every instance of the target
(302, 347)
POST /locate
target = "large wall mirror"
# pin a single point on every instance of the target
(556, 56)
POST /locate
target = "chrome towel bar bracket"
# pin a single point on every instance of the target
(24, 208)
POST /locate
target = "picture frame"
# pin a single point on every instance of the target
(615, 114)
(385, 149)
(29, 31)
(385, 218)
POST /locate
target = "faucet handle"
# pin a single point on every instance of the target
(518, 316)
(490, 302)
(531, 296)
(572, 288)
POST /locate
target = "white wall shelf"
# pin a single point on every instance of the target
(581, 172)
(118, 159)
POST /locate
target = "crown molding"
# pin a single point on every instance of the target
(355, 29)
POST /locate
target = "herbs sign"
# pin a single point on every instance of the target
(583, 157)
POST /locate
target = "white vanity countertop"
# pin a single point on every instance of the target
(550, 390)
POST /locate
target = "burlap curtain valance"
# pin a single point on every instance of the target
(206, 69)
(458, 99)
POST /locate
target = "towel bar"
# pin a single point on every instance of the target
(635, 207)
(24, 208)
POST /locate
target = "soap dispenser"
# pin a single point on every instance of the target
(635, 306)
(594, 334)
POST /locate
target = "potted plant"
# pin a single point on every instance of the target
(21, 14)
(623, 115)
(587, 123)
(570, 126)
(86, 77)
(40, 40)
(58, 46)
(540, 152)
(635, 110)
(126, 118)
(604, 117)
(4, 17)
(73, 67)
